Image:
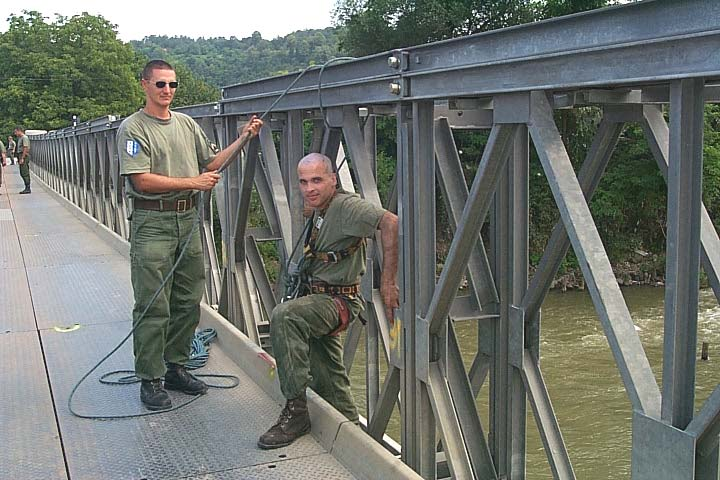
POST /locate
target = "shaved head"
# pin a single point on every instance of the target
(313, 158)
(317, 180)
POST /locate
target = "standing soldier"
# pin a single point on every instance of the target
(2, 152)
(23, 154)
(304, 331)
(11, 150)
(162, 153)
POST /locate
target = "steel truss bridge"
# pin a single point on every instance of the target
(634, 62)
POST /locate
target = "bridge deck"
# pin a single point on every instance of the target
(56, 272)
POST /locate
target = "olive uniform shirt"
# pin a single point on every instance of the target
(348, 219)
(23, 141)
(176, 147)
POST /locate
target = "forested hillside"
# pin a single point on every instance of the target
(228, 61)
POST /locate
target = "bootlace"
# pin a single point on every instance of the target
(284, 416)
(156, 386)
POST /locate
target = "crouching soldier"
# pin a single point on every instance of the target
(305, 330)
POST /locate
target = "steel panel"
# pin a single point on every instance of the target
(624, 341)
(660, 451)
(207, 436)
(17, 307)
(10, 253)
(305, 468)
(29, 435)
(48, 219)
(84, 293)
(65, 248)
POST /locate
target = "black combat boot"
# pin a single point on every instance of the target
(27, 190)
(153, 396)
(294, 422)
(178, 378)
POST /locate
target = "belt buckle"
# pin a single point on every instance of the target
(180, 209)
(332, 257)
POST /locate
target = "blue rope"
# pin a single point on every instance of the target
(200, 348)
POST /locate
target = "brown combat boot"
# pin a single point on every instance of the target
(294, 422)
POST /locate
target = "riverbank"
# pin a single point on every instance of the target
(649, 272)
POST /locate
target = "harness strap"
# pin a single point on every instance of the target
(343, 314)
(322, 287)
(329, 256)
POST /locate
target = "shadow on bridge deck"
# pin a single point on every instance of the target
(57, 271)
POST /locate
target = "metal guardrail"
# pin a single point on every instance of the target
(629, 61)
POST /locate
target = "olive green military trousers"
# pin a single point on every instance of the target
(306, 355)
(164, 333)
(25, 172)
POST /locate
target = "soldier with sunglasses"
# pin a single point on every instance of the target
(166, 159)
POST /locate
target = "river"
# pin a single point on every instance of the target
(588, 396)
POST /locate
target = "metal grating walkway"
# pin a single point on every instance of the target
(56, 272)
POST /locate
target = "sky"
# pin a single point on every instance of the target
(137, 19)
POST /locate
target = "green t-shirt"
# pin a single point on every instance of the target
(348, 218)
(23, 141)
(176, 147)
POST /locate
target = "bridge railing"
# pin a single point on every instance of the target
(629, 61)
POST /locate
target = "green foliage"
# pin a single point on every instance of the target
(557, 8)
(372, 26)
(192, 90)
(229, 61)
(72, 66)
(711, 162)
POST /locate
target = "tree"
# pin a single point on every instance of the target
(192, 90)
(229, 61)
(372, 26)
(74, 66)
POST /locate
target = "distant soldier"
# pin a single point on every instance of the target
(11, 150)
(22, 150)
(2, 152)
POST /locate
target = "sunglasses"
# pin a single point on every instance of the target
(161, 84)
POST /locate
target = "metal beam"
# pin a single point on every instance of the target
(455, 193)
(683, 251)
(547, 424)
(484, 184)
(556, 54)
(598, 156)
(463, 400)
(619, 329)
(455, 448)
(658, 137)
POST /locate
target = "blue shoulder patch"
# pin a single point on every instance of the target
(132, 147)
